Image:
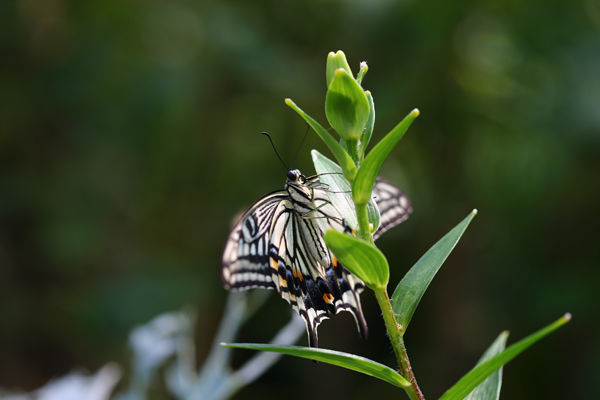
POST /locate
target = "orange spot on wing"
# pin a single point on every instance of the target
(328, 297)
(335, 262)
(273, 264)
(300, 276)
(282, 282)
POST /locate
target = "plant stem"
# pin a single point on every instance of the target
(364, 230)
(414, 392)
(353, 151)
(395, 334)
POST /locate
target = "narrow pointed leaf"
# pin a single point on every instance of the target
(340, 192)
(362, 259)
(365, 179)
(478, 374)
(348, 361)
(346, 106)
(343, 159)
(490, 388)
(410, 290)
(336, 61)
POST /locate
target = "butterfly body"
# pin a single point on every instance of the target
(278, 244)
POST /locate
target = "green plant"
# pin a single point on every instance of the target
(350, 111)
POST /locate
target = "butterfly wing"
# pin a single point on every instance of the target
(344, 286)
(245, 260)
(308, 276)
(394, 206)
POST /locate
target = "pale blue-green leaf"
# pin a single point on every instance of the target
(340, 192)
(348, 361)
(410, 290)
(478, 374)
(369, 169)
(362, 259)
(490, 388)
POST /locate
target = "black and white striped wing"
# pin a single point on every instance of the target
(308, 276)
(245, 261)
(394, 206)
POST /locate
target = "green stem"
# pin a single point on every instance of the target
(352, 150)
(364, 230)
(414, 392)
(395, 334)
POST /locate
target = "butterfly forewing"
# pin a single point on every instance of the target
(245, 257)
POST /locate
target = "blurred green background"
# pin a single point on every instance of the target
(129, 139)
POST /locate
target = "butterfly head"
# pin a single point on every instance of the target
(295, 176)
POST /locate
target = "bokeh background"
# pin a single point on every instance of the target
(129, 139)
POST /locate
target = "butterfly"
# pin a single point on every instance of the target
(278, 244)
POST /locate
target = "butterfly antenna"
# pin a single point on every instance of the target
(298, 151)
(272, 144)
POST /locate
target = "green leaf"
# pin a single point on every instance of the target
(490, 388)
(336, 61)
(365, 179)
(343, 159)
(478, 374)
(410, 290)
(366, 137)
(362, 72)
(348, 361)
(365, 261)
(346, 106)
(340, 192)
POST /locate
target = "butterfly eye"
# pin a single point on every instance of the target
(291, 175)
(302, 179)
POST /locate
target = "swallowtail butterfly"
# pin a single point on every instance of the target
(278, 244)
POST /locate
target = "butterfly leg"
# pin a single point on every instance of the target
(325, 216)
(306, 215)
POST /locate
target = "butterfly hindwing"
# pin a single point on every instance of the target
(344, 285)
(308, 275)
(394, 206)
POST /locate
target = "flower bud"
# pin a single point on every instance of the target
(346, 106)
(336, 61)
